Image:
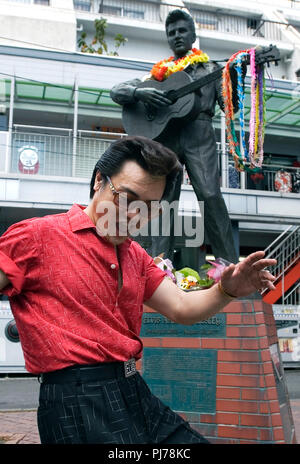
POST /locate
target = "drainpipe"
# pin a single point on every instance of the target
(75, 127)
(224, 160)
(243, 173)
(10, 125)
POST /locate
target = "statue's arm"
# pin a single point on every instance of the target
(128, 93)
(123, 93)
(219, 93)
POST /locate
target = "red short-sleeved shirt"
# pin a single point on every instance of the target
(64, 291)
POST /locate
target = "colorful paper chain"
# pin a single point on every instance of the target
(257, 115)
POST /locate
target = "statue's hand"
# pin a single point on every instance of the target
(152, 97)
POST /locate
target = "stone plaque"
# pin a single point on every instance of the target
(157, 325)
(184, 379)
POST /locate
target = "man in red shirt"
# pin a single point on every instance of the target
(77, 285)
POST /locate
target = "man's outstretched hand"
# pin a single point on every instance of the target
(248, 276)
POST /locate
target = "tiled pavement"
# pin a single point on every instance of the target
(20, 427)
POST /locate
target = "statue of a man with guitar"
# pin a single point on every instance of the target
(175, 106)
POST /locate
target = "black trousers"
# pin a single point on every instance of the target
(109, 410)
(195, 146)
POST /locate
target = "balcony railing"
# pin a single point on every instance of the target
(268, 180)
(31, 2)
(292, 297)
(280, 3)
(237, 25)
(59, 153)
(285, 249)
(272, 177)
(155, 11)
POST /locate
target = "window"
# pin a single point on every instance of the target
(205, 20)
(30, 2)
(84, 5)
(111, 10)
(298, 74)
(134, 11)
(252, 24)
(133, 14)
(20, 1)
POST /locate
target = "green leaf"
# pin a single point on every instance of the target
(206, 266)
(187, 271)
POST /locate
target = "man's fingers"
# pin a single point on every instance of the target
(267, 285)
(253, 257)
(262, 263)
(228, 271)
(265, 274)
(256, 261)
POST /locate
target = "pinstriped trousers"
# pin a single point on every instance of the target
(114, 411)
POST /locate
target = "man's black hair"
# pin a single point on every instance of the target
(152, 156)
(176, 15)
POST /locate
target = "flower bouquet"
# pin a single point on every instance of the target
(188, 279)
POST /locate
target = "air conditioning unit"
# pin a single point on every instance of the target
(11, 354)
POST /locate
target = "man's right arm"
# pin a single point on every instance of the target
(3, 280)
(19, 257)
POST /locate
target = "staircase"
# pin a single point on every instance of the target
(286, 250)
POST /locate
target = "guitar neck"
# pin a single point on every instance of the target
(189, 88)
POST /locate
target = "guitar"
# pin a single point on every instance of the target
(142, 119)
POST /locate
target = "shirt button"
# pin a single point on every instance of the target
(113, 266)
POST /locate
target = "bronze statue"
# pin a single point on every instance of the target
(192, 139)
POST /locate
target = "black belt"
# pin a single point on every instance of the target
(91, 372)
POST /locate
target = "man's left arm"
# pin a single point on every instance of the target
(237, 280)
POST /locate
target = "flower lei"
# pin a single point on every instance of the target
(257, 115)
(165, 68)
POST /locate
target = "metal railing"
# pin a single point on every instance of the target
(90, 146)
(280, 3)
(32, 2)
(267, 180)
(237, 25)
(54, 148)
(61, 153)
(292, 297)
(155, 11)
(142, 10)
(286, 250)
(274, 178)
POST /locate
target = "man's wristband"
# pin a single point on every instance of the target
(221, 289)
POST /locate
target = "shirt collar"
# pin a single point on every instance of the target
(79, 220)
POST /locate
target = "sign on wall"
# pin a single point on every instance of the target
(28, 159)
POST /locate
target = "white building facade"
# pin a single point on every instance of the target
(55, 108)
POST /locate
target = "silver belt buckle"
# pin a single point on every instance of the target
(130, 367)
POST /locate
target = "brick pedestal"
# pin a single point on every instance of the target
(225, 375)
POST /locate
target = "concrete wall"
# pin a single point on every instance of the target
(38, 26)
